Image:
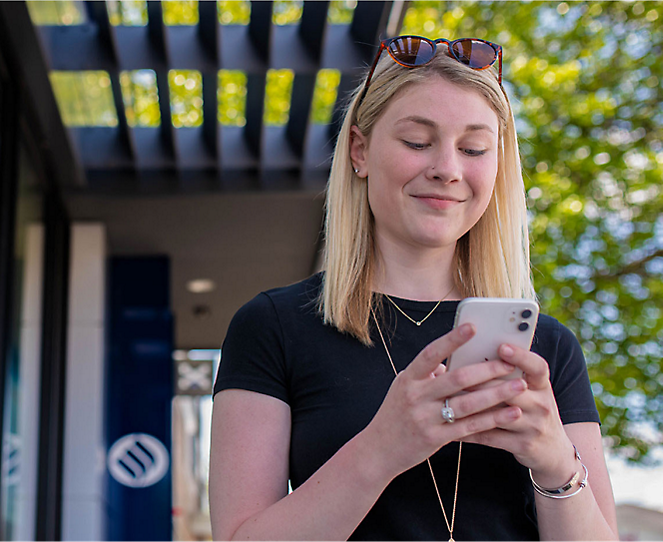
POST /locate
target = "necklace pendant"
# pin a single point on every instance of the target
(418, 323)
(452, 539)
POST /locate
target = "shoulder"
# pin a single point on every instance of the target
(269, 307)
(301, 295)
(568, 371)
(558, 345)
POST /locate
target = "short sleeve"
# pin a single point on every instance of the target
(252, 355)
(570, 380)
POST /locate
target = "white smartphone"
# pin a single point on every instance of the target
(497, 321)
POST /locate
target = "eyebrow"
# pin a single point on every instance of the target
(427, 122)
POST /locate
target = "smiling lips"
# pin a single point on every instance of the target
(438, 202)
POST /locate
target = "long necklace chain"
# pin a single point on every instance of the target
(450, 526)
(418, 323)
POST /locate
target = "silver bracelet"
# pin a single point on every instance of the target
(556, 492)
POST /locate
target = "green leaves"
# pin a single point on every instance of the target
(84, 98)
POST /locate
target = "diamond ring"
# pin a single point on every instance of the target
(448, 414)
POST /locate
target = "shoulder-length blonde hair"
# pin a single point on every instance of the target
(492, 258)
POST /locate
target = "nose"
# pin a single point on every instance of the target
(445, 164)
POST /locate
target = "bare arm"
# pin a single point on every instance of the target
(589, 515)
(251, 439)
(249, 476)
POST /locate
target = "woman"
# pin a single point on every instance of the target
(425, 206)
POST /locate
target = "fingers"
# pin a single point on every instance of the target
(471, 403)
(441, 369)
(429, 358)
(537, 372)
(473, 428)
(467, 378)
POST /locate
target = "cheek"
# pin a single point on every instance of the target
(483, 180)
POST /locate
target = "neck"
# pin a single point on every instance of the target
(415, 274)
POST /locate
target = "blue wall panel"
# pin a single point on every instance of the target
(139, 396)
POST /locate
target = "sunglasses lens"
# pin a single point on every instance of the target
(473, 53)
(411, 51)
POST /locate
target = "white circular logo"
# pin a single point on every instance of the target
(138, 460)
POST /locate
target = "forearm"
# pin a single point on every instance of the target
(576, 518)
(329, 505)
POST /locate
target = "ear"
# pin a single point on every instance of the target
(359, 151)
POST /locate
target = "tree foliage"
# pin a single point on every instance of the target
(585, 83)
(186, 97)
(84, 98)
(278, 91)
(141, 98)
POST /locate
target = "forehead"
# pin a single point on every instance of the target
(444, 103)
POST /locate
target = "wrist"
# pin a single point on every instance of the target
(560, 473)
(572, 486)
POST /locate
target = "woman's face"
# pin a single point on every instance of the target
(430, 164)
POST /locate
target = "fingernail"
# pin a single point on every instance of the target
(466, 331)
(518, 385)
(506, 351)
(514, 413)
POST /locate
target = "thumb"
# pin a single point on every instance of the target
(429, 359)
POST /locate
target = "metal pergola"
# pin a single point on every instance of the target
(211, 157)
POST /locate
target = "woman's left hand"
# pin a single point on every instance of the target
(537, 439)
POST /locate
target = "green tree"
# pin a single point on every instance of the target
(585, 83)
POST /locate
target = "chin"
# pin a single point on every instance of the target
(435, 241)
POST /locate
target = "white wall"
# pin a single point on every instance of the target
(84, 506)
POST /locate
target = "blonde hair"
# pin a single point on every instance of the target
(492, 258)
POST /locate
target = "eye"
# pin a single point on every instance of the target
(416, 146)
(473, 152)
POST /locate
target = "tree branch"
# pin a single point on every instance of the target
(638, 267)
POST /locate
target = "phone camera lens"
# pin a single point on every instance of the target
(524, 326)
(526, 314)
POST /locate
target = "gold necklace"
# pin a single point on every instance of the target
(418, 323)
(450, 527)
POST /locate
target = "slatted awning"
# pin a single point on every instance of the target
(126, 158)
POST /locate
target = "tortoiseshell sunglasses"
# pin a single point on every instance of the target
(415, 51)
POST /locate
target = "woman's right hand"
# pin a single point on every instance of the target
(409, 428)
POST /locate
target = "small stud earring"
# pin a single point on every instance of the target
(356, 170)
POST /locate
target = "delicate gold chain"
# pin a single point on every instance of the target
(418, 323)
(450, 527)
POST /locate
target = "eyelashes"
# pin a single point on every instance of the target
(416, 146)
(423, 146)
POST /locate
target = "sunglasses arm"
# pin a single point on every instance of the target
(370, 73)
(500, 66)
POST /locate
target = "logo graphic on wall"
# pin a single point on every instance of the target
(138, 460)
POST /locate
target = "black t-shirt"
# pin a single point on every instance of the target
(277, 345)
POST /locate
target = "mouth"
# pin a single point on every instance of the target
(437, 201)
(437, 197)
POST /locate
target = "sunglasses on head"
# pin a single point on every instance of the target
(415, 51)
